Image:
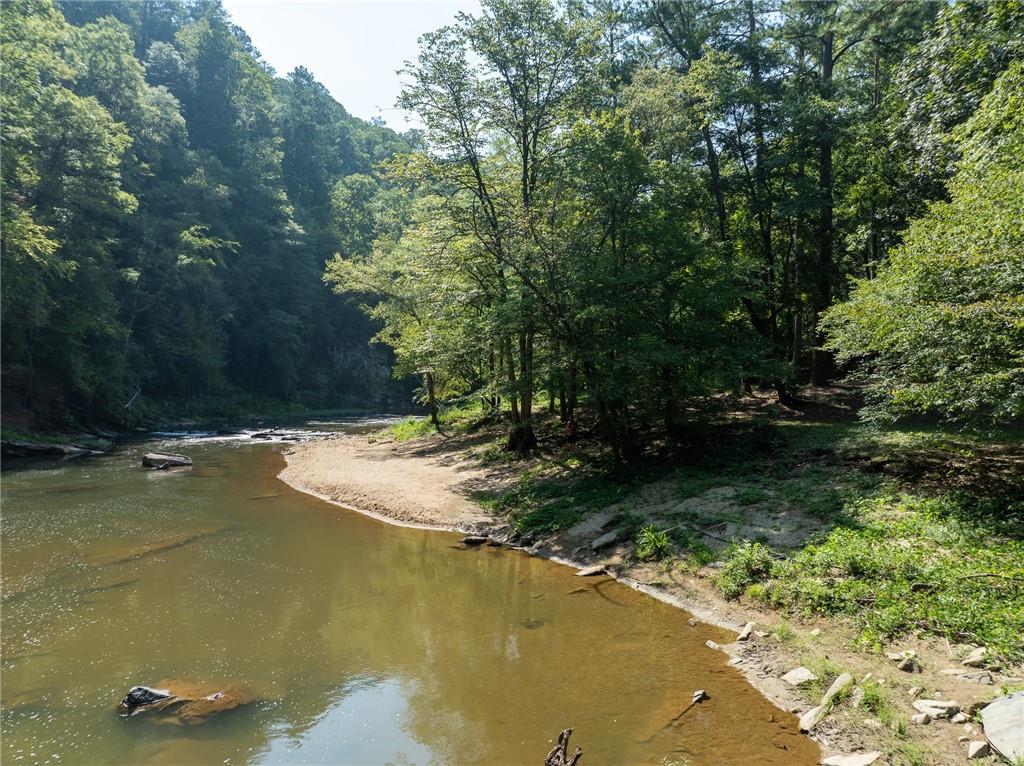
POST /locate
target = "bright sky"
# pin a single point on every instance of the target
(353, 47)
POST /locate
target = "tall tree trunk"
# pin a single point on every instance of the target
(762, 198)
(716, 183)
(511, 370)
(821, 361)
(432, 400)
(522, 439)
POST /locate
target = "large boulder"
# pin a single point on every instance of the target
(165, 460)
(1004, 726)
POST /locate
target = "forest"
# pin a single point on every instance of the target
(168, 205)
(630, 204)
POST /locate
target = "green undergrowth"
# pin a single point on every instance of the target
(899, 563)
(543, 501)
(450, 419)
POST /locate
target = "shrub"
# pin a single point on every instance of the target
(745, 564)
(651, 544)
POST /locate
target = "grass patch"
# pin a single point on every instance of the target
(410, 428)
(751, 496)
(450, 418)
(875, 700)
(542, 504)
(905, 562)
(784, 633)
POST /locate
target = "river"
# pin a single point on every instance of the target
(363, 643)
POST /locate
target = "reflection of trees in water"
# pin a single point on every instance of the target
(312, 607)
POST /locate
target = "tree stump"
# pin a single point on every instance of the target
(558, 757)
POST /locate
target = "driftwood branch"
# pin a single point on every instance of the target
(558, 757)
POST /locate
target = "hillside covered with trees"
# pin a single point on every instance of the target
(629, 204)
(168, 205)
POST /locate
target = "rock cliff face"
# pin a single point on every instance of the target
(364, 377)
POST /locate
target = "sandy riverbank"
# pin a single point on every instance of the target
(413, 484)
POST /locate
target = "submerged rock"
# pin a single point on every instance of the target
(32, 449)
(138, 696)
(181, 702)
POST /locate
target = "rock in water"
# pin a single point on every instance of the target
(165, 460)
(138, 696)
(1004, 726)
(597, 569)
(474, 540)
(182, 702)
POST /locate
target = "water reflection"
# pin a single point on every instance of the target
(365, 643)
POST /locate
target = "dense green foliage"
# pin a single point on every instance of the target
(168, 205)
(626, 205)
(907, 563)
(634, 205)
(943, 323)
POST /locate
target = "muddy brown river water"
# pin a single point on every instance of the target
(362, 643)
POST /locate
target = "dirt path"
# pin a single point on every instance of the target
(413, 484)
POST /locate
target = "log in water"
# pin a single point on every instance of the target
(359, 642)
